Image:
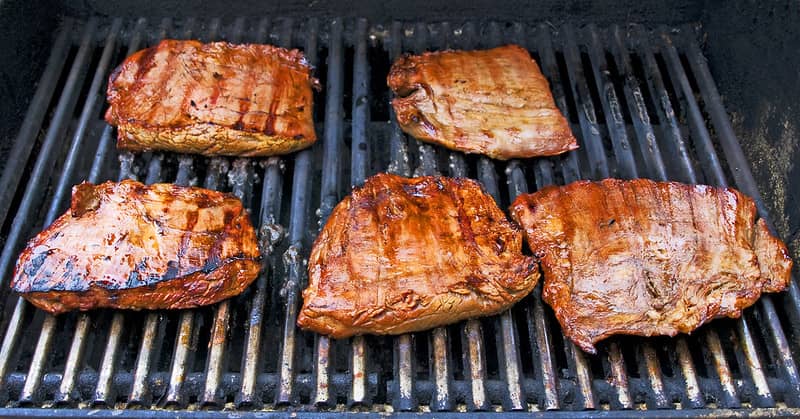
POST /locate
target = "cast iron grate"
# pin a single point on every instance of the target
(642, 103)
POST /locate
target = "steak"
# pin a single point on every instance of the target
(213, 99)
(494, 102)
(648, 258)
(130, 246)
(402, 255)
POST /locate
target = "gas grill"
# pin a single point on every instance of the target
(640, 99)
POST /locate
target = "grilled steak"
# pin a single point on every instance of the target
(213, 99)
(131, 246)
(494, 102)
(402, 255)
(648, 258)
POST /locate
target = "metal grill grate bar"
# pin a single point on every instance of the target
(571, 172)
(399, 164)
(508, 344)
(270, 233)
(428, 166)
(240, 179)
(330, 186)
(292, 260)
(139, 391)
(361, 149)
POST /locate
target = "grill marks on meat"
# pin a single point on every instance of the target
(402, 255)
(213, 99)
(648, 258)
(130, 246)
(494, 102)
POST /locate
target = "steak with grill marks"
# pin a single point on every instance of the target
(494, 102)
(648, 258)
(213, 99)
(402, 255)
(130, 246)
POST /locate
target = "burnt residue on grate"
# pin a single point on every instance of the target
(642, 103)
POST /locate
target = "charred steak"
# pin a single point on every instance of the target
(494, 102)
(213, 99)
(130, 246)
(648, 258)
(402, 255)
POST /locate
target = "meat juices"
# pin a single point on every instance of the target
(401, 255)
(639, 257)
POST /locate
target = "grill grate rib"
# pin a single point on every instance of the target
(642, 103)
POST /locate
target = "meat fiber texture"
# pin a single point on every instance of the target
(213, 99)
(494, 102)
(130, 246)
(638, 257)
(408, 254)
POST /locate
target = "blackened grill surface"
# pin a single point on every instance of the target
(641, 103)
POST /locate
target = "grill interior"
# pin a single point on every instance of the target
(642, 103)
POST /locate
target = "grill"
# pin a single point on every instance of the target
(642, 103)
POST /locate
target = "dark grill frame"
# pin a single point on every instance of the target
(642, 102)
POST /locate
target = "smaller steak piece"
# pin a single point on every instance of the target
(639, 257)
(130, 246)
(401, 255)
(213, 99)
(494, 102)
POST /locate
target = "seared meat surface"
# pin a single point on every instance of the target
(130, 246)
(213, 99)
(494, 102)
(648, 258)
(402, 255)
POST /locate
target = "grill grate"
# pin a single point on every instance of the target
(642, 103)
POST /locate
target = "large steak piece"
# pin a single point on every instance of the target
(639, 257)
(494, 102)
(402, 255)
(213, 99)
(130, 246)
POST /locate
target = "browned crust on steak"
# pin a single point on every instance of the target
(213, 99)
(402, 255)
(130, 246)
(494, 102)
(639, 257)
